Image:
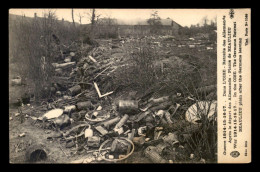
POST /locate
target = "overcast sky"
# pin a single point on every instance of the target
(184, 17)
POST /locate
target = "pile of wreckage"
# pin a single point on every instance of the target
(86, 118)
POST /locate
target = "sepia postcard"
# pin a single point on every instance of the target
(124, 86)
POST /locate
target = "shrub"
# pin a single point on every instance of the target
(138, 73)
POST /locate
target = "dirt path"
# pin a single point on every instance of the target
(34, 135)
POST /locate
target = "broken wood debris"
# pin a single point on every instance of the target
(131, 123)
(98, 91)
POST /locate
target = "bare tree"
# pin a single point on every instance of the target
(154, 19)
(80, 17)
(93, 17)
(72, 15)
(155, 22)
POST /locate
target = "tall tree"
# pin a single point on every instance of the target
(93, 17)
(72, 15)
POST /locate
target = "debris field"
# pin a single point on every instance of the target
(108, 104)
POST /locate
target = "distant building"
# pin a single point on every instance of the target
(136, 28)
(168, 27)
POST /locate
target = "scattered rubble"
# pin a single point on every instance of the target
(22, 135)
(111, 130)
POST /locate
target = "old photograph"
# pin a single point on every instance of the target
(113, 86)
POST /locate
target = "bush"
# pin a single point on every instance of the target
(201, 138)
(139, 73)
